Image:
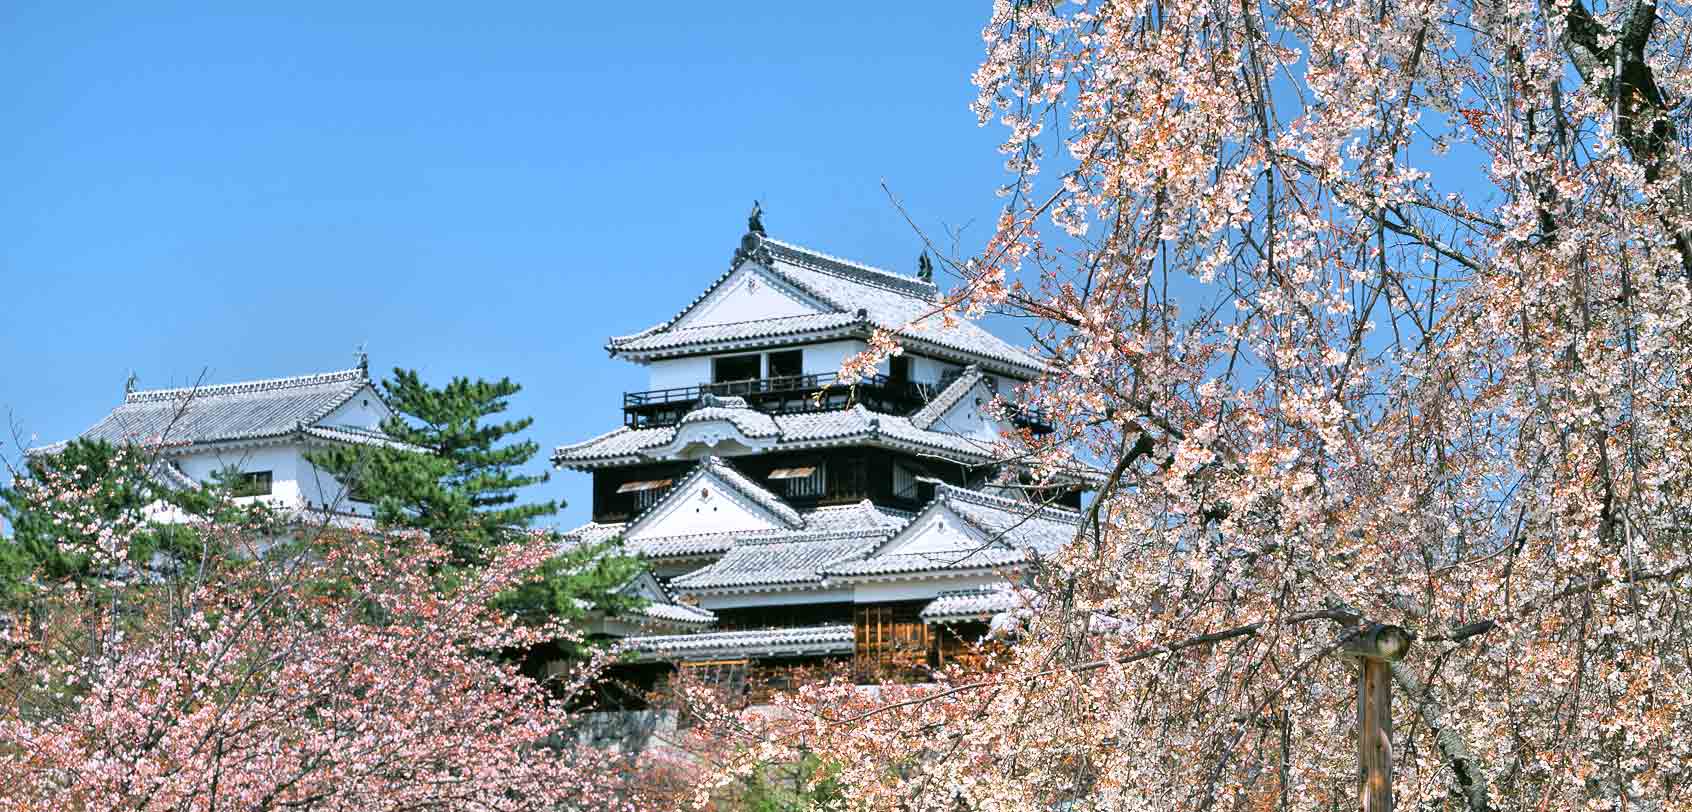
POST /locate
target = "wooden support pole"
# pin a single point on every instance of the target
(1375, 648)
(1374, 734)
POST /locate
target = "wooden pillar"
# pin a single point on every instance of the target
(1376, 648)
(1374, 734)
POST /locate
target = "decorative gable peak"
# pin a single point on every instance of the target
(714, 498)
(751, 292)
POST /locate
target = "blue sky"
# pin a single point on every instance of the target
(487, 189)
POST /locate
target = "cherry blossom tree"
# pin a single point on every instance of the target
(290, 668)
(1372, 312)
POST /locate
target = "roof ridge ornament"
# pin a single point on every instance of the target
(129, 384)
(925, 268)
(755, 220)
(753, 247)
(752, 243)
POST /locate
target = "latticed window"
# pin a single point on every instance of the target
(890, 642)
(646, 492)
(802, 482)
(252, 483)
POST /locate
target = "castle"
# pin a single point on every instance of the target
(789, 517)
(258, 433)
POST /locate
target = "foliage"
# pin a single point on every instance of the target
(63, 508)
(1374, 312)
(801, 786)
(457, 478)
(330, 673)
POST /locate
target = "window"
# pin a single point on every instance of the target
(788, 364)
(646, 492)
(252, 483)
(890, 642)
(899, 368)
(805, 481)
(735, 368)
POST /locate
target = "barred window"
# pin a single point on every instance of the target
(806, 481)
(252, 483)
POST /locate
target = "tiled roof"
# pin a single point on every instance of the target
(678, 613)
(750, 422)
(592, 533)
(819, 522)
(890, 301)
(237, 411)
(170, 476)
(1013, 529)
(1023, 525)
(778, 563)
(984, 557)
(857, 516)
(785, 326)
(745, 486)
(616, 443)
(971, 604)
(855, 423)
(359, 435)
(791, 642)
(942, 403)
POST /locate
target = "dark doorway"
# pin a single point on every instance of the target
(734, 368)
(899, 368)
(788, 364)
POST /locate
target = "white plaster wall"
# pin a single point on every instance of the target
(294, 482)
(364, 410)
(822, 358)
(715, 602)
(826, 357)
(966, 417)
(676, 372)
(723, 510)
(929, 370)
(283, 463)
(321, 489)
(928, 588)
(748, 295)
(941, 531)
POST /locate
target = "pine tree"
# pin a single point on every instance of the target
(460, 483)
(59, 540)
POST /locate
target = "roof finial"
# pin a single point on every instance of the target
(363, 359)
(129, 384)
(755, 220)
(925, 268)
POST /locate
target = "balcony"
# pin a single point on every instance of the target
(779, 395)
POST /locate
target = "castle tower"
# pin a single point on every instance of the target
(791, 517)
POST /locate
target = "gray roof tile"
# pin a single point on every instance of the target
(819, 522)
(237, 411)
(777, 563)
(786, 326)
(854, 423)
(971, 604)
(789, 642)
(890, 301)
(935, 409)
(1013, 528)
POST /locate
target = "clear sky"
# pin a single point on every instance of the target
(487, 189)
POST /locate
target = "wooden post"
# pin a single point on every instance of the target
(1374, 735)
(1376, 648)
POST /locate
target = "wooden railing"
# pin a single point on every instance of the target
(778, 395)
